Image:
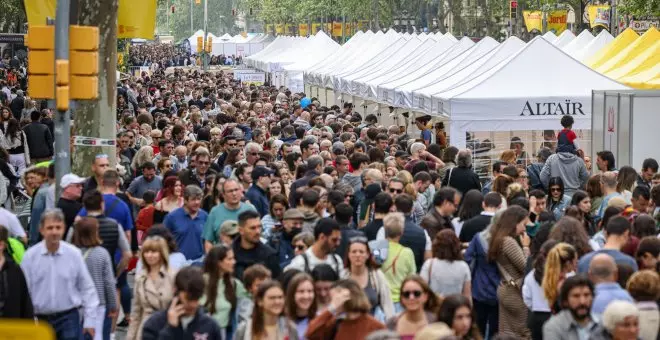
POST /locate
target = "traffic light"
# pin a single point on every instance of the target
(41, 61)
(513, 9)
(209, 44)
(84, 57)
(200, 44)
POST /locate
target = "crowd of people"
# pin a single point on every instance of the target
(167, 55)
(247, 212)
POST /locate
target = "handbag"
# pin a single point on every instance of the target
(507, 279)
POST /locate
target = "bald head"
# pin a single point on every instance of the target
(602, 269)
(609, 179)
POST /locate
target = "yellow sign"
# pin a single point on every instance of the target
(23, 329)
(533, 20)
(279, 29)
(303, 30)
(599, 15)
(316, 27)
(557, 21)
(336, 29)
(328, 28)
(136, 19)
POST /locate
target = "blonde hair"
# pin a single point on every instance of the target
(157, 244)
(555, 261)
(508, 156)
(407, 179)
(145, 154)
(393, 223)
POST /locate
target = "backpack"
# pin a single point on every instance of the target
(485, 275)
(308, 270)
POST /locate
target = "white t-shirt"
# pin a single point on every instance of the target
(446, 277)
(427, 246)
(298, 262)
(9, 220)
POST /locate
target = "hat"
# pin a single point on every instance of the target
(338, 147)
(292, 214)
(69, 179)
(229, 227)
(261, 171)
(401, 154)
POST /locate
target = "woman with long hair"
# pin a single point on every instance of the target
(626, 180)
(533, 295)
(346, 297)
(500, 185)
(560, 262)
(234, 156)
(363, 269)
(420, 308)
(5, 116)
(175, 260)
(506, 252)
(456, 311)
(145, 154)
(595, 192)
(214, 197)
(268, 321)
(409, 188)
(15, 142)
(582, 202)
(273, 221)
(470, 207)
(172, 198)
(86, 237)
(569, 230)
(300, 302)
(446, 272)
(164, 165)
(557, 200)
(276, 187)
(222, 290)
(154, 284)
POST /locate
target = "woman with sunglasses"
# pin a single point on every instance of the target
(456, 311)
(164, 165)
(300, 302)
(222, 290)
(267, 322)
(301, 242)
(362, 268)
(172, 199)
(420, 305)
(557, 202)
(154, 284)
(348, 298)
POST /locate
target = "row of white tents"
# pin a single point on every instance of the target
(482, 86)
(237, 45)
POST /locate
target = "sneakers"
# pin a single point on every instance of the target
(123, 323)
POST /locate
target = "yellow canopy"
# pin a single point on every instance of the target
(644, 60)
(619, 43)
(627, 54)
(648, 79)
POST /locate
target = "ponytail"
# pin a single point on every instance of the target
(555, 262)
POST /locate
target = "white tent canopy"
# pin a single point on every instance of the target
(584, 38)
(517, 94)
(601, 40)
(564, 39)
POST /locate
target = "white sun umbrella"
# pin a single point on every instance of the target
(584, 38)
(367, 85)
(422, 99)
(401, 51)
(402, 92)
(564, 39)
(506, 98)
(436, 56)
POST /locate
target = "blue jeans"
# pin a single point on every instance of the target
(107, 325)
(66, 326)
(125, 292)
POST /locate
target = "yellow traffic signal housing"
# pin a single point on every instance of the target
(200, 44)
(84, 62)
(209, 44)
(41, 61)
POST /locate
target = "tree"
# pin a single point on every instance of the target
(640, 8)
(12, 16)
(97, 118)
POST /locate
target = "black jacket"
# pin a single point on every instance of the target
(188, 177)
(461, 179)
(261, 254)
(201, 327)
(17, 105)
(302, 182)
(414, 238)
(474, 226)
(40, 140)
(15, 301)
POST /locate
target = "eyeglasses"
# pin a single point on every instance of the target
(392, 190)
(408, 294)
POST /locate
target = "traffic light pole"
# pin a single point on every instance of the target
(62, 122)
(205, 54)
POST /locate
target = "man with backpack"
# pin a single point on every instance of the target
(328, 237)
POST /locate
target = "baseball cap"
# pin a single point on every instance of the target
(261, 171)
(69, 179)
(292, 214)
(402, 154)
(229, 227)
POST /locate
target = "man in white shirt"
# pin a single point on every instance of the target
(328, 236)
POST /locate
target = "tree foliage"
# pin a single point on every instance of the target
(640, 8)
(12, 16)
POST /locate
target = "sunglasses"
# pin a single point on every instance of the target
(253, 153)
(168, 165)
(300, 247)
(555, 189)
(398, 191)
(408, 294)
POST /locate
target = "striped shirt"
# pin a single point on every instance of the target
(99, 265)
